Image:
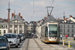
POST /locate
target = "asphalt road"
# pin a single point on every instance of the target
(13, 48)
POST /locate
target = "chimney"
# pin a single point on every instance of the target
(8, 16)
(45, 17)
(58, 19)
(0, 18)
(12, 14)
(65, 20)
(19, 14)
(21, 17)
(70, 16)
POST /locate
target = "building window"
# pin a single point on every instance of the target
(72, 34)
(68, 30)
(3, 26)
(60, 25)
(20, 31)
(0, 26)
(4, 31)
(72, 26)
(20, 26)
(68, 34)
(15, 25)
(10, 31)
(0, 31)
(68, 26)
(10, 26)
(15, 31)
(6, 26)
(61, 30)
(72, 30)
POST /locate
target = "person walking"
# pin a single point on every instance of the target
(66, 36)
(61, 37)
(74, 37)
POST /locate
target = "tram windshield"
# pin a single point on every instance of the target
(52, 30)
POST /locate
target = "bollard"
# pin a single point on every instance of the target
(69, 44)
(63, 42)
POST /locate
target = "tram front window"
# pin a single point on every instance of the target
(52, 30)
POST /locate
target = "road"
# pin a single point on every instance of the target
(31, 37)
(13, 48)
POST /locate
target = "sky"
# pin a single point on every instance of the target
(35, 10)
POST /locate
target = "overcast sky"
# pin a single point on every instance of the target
(36, 10)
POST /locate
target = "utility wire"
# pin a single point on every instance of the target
(33, 10)
(52, 2)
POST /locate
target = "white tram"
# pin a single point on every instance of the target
(50, 32)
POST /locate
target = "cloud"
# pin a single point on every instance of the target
(11, 0)
(25, 7)
(38, 3)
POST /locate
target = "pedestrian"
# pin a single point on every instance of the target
(61, 37)
(66, 36)
(74, 37)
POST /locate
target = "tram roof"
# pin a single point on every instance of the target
(49, 19)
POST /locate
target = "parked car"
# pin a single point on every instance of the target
(22, 36)
(19, 38)
(12, 39)
(4, 45)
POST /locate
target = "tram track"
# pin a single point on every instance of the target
(38, 44)
(27, 45)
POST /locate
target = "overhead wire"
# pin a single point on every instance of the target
(52, 7)
(33, 10)
(52, 2)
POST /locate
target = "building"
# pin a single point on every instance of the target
(67, 26)
(17, 25)
(32, 27)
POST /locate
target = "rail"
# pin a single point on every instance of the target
(27, 45)
(38, 44)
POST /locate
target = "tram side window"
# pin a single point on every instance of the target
(46, 32)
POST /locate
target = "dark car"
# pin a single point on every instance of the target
(19, 37)
(22, 36)
(4, 45)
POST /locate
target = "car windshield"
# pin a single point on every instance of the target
(10, 35)
(19, 36)
(2, 40)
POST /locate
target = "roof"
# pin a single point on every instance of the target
(73, 17)
(49, 19)
(16, 17)
(2, 20)
(67, 21)
(3, 23)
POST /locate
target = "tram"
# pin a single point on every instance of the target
(50, 32)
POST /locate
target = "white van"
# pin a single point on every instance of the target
(12, 39)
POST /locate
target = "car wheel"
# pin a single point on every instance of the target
(16, 46)
(8, 48)
(20, 41)
(19, 44)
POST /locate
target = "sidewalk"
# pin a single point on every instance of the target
(71, 39)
